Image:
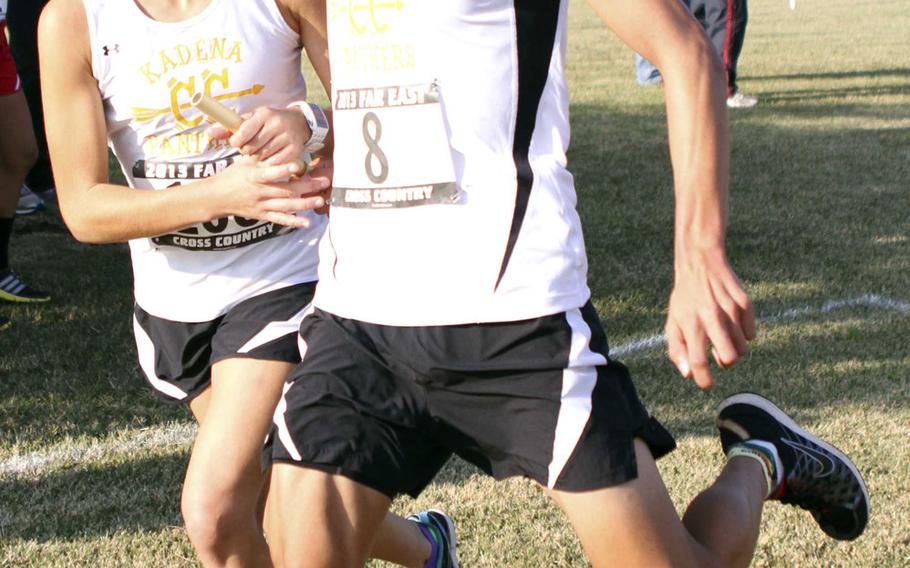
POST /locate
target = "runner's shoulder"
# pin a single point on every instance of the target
(63, 37)
(296, 12)
(63, 21)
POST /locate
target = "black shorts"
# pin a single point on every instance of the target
(177, 357)
(387, 406)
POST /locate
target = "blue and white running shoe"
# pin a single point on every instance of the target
(440, 531)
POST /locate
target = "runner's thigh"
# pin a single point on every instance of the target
(630, 525)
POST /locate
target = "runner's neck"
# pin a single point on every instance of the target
(172, 11)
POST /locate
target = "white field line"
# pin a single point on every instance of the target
(128, 441)
(181, 434)
(868, 300)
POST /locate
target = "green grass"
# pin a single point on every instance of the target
(820, 212)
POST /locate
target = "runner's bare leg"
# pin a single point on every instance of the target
(636, 525)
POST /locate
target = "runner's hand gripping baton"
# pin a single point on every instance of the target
(232, 121)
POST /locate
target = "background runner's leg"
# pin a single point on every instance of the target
(400, 541)
(17, 154)
(223, 480)
(22, 21)
(238, 488)
(17, 150)
(635, 524)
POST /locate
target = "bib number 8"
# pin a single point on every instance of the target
(375, 156)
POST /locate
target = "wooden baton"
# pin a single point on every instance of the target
(229, 119)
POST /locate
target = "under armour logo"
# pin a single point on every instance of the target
(111, 48)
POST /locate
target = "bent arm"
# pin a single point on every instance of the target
(94, 210)
(99, 212)
(708, 306)
(308, 17)
(665, 33)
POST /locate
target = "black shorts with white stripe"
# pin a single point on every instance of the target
(177, 357)
(387, 406)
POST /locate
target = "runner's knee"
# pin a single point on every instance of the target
(211, 517)
(17, 163)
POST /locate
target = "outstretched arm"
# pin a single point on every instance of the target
(708, 306)
(97, 211)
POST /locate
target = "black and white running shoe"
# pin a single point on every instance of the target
(817, 476)
(13, 289)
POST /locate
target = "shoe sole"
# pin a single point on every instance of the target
(779, 415)
(450, 527)
(20, 300)
(6, 325)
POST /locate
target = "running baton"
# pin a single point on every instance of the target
(230, 120)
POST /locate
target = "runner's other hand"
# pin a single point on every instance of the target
(272, 136)
(255, 191)
(322, 166)
(708, 308)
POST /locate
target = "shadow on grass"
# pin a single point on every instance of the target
(813, 367)
(45, 223)
(138, 493)
(141, 493)
(818, 213)
(796, 95)
(68, 367)
(858, 74)
(837, 365)
(808, 205)
(821, 368)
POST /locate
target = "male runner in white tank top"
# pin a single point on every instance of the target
(224, 268)
(453, 313)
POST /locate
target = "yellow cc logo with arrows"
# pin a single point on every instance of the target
(367, 15)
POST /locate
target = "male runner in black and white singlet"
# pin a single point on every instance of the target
(453, 314)
(224, 269)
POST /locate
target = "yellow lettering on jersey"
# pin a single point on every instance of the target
(188, 88)
(149, 74)
(212, 78)
(167, 64)
(366, 16)
(183, 53)
(199, 50)
(234, 55)
(179, 55)
(217, 51)
(181, 145)
(385, 58)
(166, 148)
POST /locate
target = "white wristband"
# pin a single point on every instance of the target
(319, 125)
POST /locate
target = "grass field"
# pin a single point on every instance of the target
(91, 464)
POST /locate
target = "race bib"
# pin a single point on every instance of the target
(391, 143)
(221, 234)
